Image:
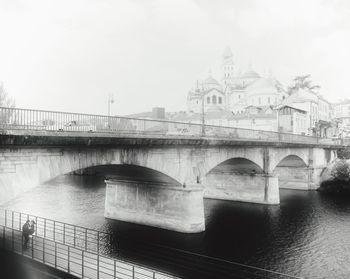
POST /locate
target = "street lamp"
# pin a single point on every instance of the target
(203, 116)
(110, 101)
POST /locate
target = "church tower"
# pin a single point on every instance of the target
(227, 66)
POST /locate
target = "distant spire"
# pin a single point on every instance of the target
(227, 52)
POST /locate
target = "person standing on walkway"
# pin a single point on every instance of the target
(25, 233)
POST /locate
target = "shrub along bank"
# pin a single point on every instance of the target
(340, 173)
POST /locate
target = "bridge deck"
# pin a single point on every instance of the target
(64, 138)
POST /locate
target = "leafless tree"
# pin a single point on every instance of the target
(7, 102)
(5, 99)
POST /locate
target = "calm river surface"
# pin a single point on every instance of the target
(308, 234)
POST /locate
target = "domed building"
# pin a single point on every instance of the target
(209, 95)
(236, 91)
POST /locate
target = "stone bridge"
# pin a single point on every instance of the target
(161, 181)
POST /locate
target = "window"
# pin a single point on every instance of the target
(208, 100)
(220, 100)
(214, 99)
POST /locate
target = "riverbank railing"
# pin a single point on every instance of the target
(81, 251)
(75, 261)
(68, 234)
(41, 120)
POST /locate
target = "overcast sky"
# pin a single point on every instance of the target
(70, 54)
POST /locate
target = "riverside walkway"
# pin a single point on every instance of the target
(83, 252)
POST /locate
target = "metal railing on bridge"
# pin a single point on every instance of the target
(41, 120)
(81, 252)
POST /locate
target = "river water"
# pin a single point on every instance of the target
(307, 235)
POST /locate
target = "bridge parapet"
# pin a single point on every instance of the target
(28, 121)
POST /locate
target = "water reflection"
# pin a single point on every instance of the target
(306, 235)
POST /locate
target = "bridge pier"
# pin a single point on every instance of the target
(177, 208)
(255, 188)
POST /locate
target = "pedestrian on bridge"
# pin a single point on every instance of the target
(26, 233)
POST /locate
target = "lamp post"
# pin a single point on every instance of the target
(110, 101)
(203, 115)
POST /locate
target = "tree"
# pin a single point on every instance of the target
(341, 170)
(303, 82)
(5, 100)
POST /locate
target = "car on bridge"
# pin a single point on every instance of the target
(178, 132)
(72, 125)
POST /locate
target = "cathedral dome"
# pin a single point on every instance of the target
(210, 83)
(250, 74)
(263, 86)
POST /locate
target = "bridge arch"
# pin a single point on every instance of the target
(128, 172)
(72, 160)
(238, 165)
(292, 172)
(279, 155)
(240, 179)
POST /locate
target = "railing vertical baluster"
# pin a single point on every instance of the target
(133, 272)
(115, 269)
(54, 231)
(85, 238)
(5, 217)
(64, 233)
(154, 275)
(75, 233)
(20, 220)
(12, 220)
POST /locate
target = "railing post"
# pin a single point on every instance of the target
(54, 231)
(82, 263)
(36, 223)
(75, 229)
(98, 242)
(12, 220)
(20, 221)
(55, 254)
(115, 269)
(5, 217)
(44, 227)
(133, 272)
(43, 250)
(13, 236)
(98, 266)
(64, 233)
(68, 260)
(3, 238)
(32, 247)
